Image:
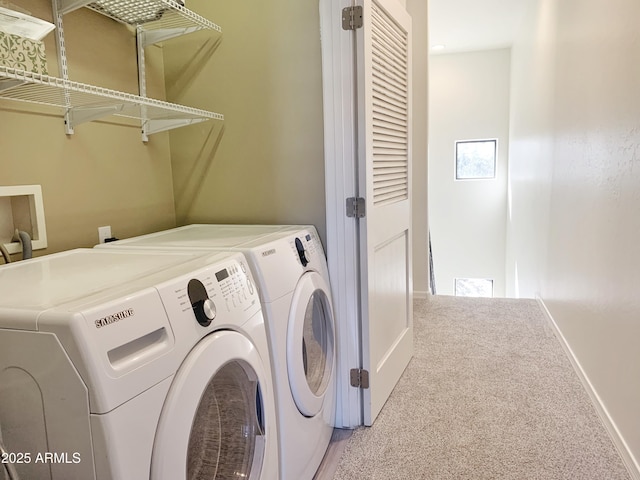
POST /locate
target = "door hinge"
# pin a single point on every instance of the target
(359, 378)
(356, 207)
(352, 18)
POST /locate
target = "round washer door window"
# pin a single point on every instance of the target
(212, 425)
(310, 343)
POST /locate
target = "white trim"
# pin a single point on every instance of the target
(340, 183)
(420, 295)
(623, 449)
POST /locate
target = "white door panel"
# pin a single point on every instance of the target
(388, 299)
(384, 163)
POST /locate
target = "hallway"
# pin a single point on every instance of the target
(489, 394)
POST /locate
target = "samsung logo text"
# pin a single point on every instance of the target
(113, 318)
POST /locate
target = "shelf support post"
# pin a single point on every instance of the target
(142, 80)
(62, 64)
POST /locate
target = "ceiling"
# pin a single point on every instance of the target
(466, 25)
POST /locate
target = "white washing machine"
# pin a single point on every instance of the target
(119, 365)
(290, 269)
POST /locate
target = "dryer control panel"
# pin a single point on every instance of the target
(279, 263)
(305, 247)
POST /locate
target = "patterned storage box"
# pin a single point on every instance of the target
(22, 53)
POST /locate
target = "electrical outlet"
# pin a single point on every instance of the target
(104, 233)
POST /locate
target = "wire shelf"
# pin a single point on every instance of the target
(84, 102)
(160, 19)
(154, 21)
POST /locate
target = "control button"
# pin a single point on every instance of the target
(243, 268)
(250, 286)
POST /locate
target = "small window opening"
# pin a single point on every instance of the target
(476, 159)
(473, 287)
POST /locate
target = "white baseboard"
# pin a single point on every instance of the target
(623, 449)
(420, 295)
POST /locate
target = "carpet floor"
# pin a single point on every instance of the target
(489, 394)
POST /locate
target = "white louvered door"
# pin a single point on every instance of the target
(384, 162)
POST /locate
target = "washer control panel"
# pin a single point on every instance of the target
(235, 285)
(218, 290)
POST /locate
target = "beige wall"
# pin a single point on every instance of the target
(264, 163)
(590, 284)
(468, 100)
(103, 174)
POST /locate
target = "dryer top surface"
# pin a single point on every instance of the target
(202, 236)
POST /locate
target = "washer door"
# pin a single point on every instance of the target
(310, 343)
(211, 426)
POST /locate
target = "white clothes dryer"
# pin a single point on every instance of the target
(291, 272)
(119, 365)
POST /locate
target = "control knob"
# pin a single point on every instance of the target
(301, 252)
(203, 307)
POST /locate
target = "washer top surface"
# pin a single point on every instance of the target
(51, 280)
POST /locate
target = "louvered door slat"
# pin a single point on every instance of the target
(395, 141)
(380, 67)
(385, 59)
(387, 95)
(385, 132)
(392, 197)
(389, 161)
(399, 124)
(381, 129)
(389, 109)
(386, 170)
(388, 33)
(390, 174)
(397, 89)
(392, 182)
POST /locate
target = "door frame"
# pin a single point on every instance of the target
(341, 182)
